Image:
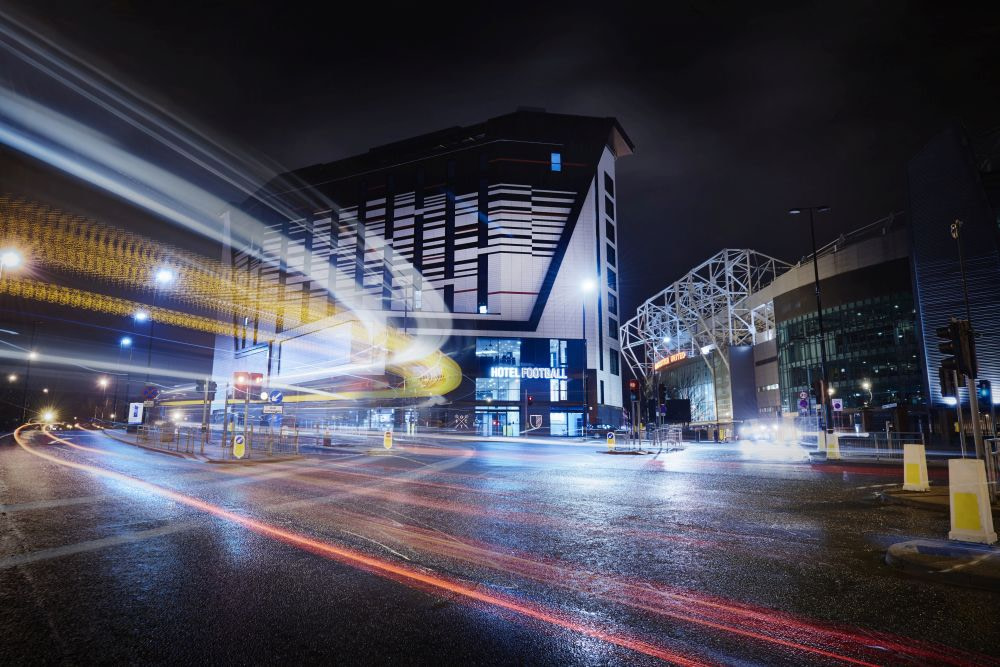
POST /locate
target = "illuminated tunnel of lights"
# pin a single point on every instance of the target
(778, 630)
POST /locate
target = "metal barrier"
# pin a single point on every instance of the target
(218, 443)
(880, 445)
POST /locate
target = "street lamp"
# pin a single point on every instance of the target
(586, 287)
(819, 306)
(164, 276)
(867, 386)
(139, 316)
(12, 378)
(9, 259)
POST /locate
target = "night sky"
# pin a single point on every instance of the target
(738, 112)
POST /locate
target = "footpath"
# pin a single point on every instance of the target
(216, 456)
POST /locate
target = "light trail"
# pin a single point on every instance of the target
(419, 579)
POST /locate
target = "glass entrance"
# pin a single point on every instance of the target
(566, 423)
(498, 421)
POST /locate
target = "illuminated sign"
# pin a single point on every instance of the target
(666, 361)
(528, 373)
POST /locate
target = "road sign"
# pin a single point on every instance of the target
(239, 446)
(838, 404)
(804, 395)
(148, 404)
(276, 397)
(135, 413)
(611, 439)
(387, 440)
(150, 393)
(273, 409)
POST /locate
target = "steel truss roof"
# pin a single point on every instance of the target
(705, 309)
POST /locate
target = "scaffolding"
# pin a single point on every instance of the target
(706, 310)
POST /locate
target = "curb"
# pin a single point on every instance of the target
(948, 561)
(245, 462)
(203, 459)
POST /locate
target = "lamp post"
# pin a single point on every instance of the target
(9, 259)
(586, 288)
(162, 278)
(103, 384)
(123, 343)
(867, 386)
(819, 309)
(31, 356)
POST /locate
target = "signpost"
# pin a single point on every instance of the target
(272, 409)
(135, 413)
(239, 446)
(838, 405)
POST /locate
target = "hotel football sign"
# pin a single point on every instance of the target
(528, 373)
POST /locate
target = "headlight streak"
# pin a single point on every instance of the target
(769, 626)
(416, 578)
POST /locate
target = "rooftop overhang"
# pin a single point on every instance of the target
(619, 142)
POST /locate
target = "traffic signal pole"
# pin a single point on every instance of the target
(958, 410)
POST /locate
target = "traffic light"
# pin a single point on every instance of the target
(984, 392)
(662, 395)
(244, 381)
(957, 343)
(200, 387)
(947, 381)
(633, 389)
(817, 390)
(531, 400)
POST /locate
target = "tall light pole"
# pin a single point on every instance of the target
(867, 386)
(162, 278)
(123, 343)
(819, 312)
(31, 356)
(586, 287)
(103, 384)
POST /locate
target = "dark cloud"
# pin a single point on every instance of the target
(739, 111)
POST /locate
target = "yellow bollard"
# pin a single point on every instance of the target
(915, 468)
(611, 441)
(387, 440)
(971, 518)
(832, 447)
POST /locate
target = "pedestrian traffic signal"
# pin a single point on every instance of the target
(531, 400)
(984, 392)
(662, 394)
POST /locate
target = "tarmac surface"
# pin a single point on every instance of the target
(467, 553)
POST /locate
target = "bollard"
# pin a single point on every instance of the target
(971, 517)
(611, 441)
(832, 447)
(915, 468)
(387, 440)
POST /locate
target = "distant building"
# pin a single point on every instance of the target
(478, 239)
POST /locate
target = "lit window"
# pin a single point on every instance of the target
(556, 162)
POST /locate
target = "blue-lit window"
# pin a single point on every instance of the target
(556, 161)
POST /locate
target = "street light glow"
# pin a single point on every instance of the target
(45, 390)
(866, 385)
(140, 316)
(10, 259)
(48, 416)
(32, 355)
(103, 383)
(666, 339)
(164, 276)
(126, 341)
(12, 378)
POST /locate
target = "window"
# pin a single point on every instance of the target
(609, 230)
(609, 208)
(499, 351)
(602, 391)
(498, 389)
(557, 353)
(609, 184)
(612, 260)
(555, 162)
(612, 305)
(613, 328)
(558, 390)
(614, 361)
(612, 280)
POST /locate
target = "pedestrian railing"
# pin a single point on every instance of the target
(218, 443)
(879, 445)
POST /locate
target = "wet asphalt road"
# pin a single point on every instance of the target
(453, 552)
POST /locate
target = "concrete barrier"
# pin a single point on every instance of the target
(832, 446)
(971, 517)
(915, 468)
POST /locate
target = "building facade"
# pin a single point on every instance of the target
(496, 244)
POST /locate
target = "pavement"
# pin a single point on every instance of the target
(123, 437)
(467, 553)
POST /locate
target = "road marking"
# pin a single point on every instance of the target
(93, 545)
(49, 504)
